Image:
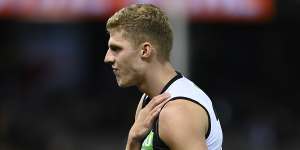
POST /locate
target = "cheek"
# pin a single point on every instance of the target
(129, 61)
(125, 63)
(136, 64)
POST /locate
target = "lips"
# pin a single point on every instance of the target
(115, 70)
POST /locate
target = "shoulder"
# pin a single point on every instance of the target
(188, 89)
(179, 110)
(182, 119)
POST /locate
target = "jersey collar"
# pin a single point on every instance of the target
(147, 98)
(178, 76)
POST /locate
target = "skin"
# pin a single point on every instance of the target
(124, 59)
(185, 131)
(134, 66)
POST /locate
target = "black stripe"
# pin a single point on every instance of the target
(147, 98)
(178, 76)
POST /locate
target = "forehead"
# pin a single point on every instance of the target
(118, 38)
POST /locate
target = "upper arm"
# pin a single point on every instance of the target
(183, 125)
(139, 107)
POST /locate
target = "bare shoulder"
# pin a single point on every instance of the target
(180, 120)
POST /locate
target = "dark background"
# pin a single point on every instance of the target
(57, 94)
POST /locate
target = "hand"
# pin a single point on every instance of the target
(146, 116)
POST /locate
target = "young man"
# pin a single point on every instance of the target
(173, 112)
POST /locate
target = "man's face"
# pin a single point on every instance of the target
(123, 58)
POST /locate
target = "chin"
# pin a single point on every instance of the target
(124, 84)
(121, 84)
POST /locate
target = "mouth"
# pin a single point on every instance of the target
(115, 70)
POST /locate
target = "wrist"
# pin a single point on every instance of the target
(133, 138)
(133, 143)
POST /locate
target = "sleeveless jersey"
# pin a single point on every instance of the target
(180, 87)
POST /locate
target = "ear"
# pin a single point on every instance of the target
(146, 50)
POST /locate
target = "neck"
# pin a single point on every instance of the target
(156, 78)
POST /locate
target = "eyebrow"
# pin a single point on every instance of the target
(114, 46)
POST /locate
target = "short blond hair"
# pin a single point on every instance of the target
(144, 22)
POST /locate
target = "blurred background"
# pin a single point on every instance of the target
(57, 94)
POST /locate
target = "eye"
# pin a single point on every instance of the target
(115, 48)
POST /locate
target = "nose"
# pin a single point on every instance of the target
(109, 58)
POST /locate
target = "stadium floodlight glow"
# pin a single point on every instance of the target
(203, 10)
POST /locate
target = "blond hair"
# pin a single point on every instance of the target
(144, 22)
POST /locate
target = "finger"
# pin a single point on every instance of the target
(162, 104)
(153, 115)
(161, 100)
(158, 99)
(155, 111)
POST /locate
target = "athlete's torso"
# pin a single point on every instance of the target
(181, 88)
